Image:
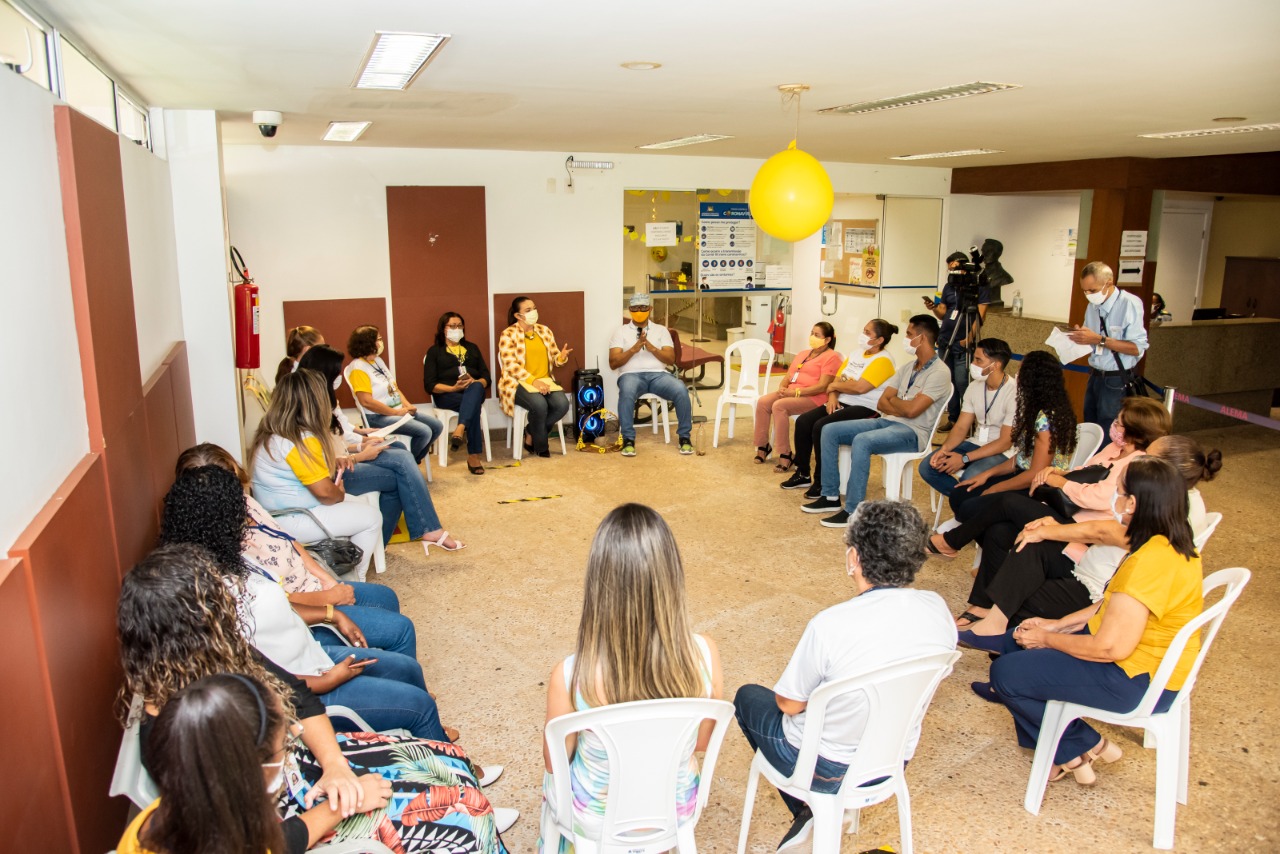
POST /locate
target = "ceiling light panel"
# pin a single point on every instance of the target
(947, 93)
(394, 60)
(345, 131)
(686, 140)
(1190, 134)
(965, 152)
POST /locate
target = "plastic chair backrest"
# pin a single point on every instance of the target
(1211, 521)
(645, 742)
(897, 694)
(1088, 440)
(130, 779)
(364, 416)
(1209, 619)
(753, 352)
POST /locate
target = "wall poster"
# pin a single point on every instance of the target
(726, 246)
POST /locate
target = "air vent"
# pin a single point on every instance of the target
(947, 93)
(966, 152)
(1190, 134)
(685, 140)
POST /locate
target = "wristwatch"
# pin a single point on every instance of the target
(964, 458)
(1102, 342)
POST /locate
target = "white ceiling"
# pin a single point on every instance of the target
(545, 75)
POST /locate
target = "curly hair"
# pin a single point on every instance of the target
(1041, 389)
(363, 342)
(177, 622)
(206, 507)
(889, 537)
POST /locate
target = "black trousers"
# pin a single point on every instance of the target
(995, 522)
(808, 435)
(964, 503)
(1034, 582)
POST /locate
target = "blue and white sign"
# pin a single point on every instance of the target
(726, 246)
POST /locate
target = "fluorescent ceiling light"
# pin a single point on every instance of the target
(1188, 134)
(686, 140)
(588, 164)
(965, 152)
(395, 59)
(345, 131)
(947, 93)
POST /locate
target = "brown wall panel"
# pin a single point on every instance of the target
(439, 263)
(67, 550)
(180, 377)
(163, 446)
(563, 313)
(334, 319)
(131, 488)
(101, 282)
(35, 811)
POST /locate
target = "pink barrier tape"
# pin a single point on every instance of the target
(1229, 411)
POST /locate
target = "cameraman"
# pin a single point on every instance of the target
(950, 316)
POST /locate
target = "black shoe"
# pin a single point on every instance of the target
(544, 453)
(455, 442)
(800, 831)
(797, 480)
(814, 490)
(836, 520)
(822, 505)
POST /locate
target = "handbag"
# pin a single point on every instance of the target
(1133, 384)
(339, 554)
(1056, 500)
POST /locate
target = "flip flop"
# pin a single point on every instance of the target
(934, 551)
(969, 619)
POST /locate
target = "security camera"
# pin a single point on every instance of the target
(268, 122)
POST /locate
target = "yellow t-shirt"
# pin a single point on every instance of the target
(1169, 585)
(309, 467)
(129, 841)
(535, 359)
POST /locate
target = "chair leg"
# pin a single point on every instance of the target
(685, 843)
(753, 778)
(484, 428)
(666, 423)
(1184, 751)
(1168, 762)
(1051, 728)
(733, 411)
(904, 816)
(564, 449)
(827, 818)
(517, 434)
(442, 441)
(852, 821)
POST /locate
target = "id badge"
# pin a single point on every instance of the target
(462, 370)
(795, 377)
(983, 436)
(394, 400)
(955, 313)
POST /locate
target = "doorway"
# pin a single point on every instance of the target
(1184, 240)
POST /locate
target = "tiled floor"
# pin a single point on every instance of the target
(494, 618)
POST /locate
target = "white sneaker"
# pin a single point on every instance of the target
(504, 817)
(489, 774)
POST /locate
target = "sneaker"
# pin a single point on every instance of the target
(814, 491)
(797, 480)
(822, 505)
(628, 448)
(800, 831)
(836, 520)
(504, 817)
(686, 447)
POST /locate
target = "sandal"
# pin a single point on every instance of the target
(934, 551)
(438, 542)
(1082, 770)
(969, 619)
(455, 442)
(784, 466)
(1106, 752)
(451, 733)
(762, 454)
(475, 469)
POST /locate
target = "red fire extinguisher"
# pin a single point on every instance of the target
(778, 329)
(246, 314)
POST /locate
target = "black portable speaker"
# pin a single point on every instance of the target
(588, 398)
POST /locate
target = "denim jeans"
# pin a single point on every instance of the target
(664, 385)
(383, 627)
(467, 404)
(1102, 399)
(945, 483)
(421, 429)
(756, 708)
(1025, 679)
(866, 438)
(545, 411)
(388, 703)
(400, 487)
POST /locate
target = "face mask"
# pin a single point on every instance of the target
(977, 373)
(337, 383)
(1119, 517)
(1116, 433)
(909, 347)
(531, 316)
(278, 780)
(1097, 298)
(639, 317)
(815, 342)
(453, 335)
(381, 348)
(864, 342)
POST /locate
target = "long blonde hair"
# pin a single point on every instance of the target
(299, 405)
(635, 641)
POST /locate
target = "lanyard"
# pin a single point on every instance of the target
(272, 532)
(987, 411)
(911, 381)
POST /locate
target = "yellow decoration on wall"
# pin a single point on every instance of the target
(633, 236)
(636, 192)
(724, 192)
(791, 196)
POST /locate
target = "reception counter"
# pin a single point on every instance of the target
(1232, 362)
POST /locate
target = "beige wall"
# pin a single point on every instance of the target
(1245, 227)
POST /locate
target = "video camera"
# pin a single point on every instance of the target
(964, 278)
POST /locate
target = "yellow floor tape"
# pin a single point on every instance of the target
(535, 498)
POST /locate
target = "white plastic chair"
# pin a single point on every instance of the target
(898, 695)
(404, 440)
(658, 406)
(449, 418)
(645, 742)
(349, 714)
(751, 384)
(515, 432)
(1172, 728)
(898, 468)
(373, 499)
(1211, 521)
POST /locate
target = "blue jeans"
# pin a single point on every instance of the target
(467, 404)
(1102, 399)
(866, 437)
(664, 385)
(377, 613)
(387, 703)
(400, 487)
(421, 429)
(946, 483)
(1025, 679)
(756, 708)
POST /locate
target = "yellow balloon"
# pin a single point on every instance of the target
(791, 196)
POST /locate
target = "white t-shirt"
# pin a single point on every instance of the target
(863, 634)
(374, 377)
(991, 409)
(854, 367)
(626, 336)
(277, 630)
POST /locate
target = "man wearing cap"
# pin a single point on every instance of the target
(642, 353)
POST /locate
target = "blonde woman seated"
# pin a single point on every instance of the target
(635, 642)
(802, 390)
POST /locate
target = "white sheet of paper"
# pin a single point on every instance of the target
(1067, 350)
(660, 234)
(384, 432)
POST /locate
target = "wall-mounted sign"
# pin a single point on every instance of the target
(726, 245)
(1133, 244)
(661, 234)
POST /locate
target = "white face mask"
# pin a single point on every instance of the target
(531, 317)
(453, 335)
(1119, 517)
(977, 373)
(908, 346)
(337, 383)
(278, 780)
(864, 342)
(1097, 298)
(381, 347)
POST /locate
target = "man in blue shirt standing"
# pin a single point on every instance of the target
(1113, 327)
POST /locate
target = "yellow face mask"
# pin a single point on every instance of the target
(639, 317)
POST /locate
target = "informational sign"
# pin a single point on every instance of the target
(1133, 244)
(726, 245)
(1130, 271)
(660, 234)
(858, 239)
(777, 275)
